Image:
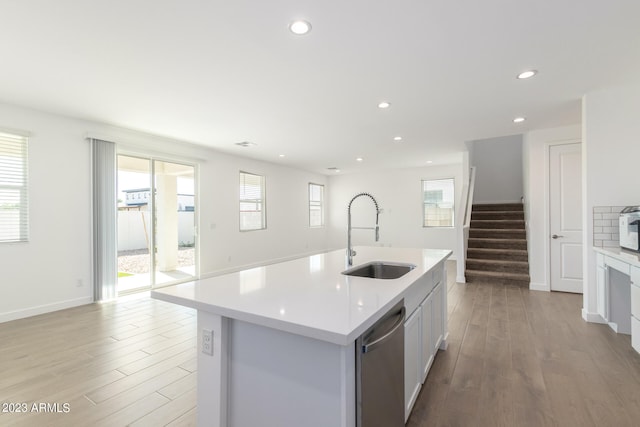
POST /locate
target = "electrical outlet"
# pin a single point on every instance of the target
(207, 342)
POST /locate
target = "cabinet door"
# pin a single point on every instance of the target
(437, 326)
(635, 334)
(635, 292)
(412, 350)
(427, 349)
(601, 294)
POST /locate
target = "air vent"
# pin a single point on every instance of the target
(246, 144)
(333, 169)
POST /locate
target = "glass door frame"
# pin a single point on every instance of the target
(152, 159)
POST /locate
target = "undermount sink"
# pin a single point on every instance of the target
(380, 270)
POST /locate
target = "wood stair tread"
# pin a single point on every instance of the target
(498, 265)
(497, 233)
(498, 240)
(498, 213)
(499, 251)
(499, 275)
(498, 261)
(496, 225)
(492, 206)
(499, 230)
(497, 245)
(496, 221)
(477, 254)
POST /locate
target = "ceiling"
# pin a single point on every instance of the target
(221, 72)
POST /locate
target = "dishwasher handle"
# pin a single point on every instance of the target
(366, 348)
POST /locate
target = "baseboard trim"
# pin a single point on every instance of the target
(444, 344)
(592, 317)
(43, 309)
(543, 287)
(461, 279)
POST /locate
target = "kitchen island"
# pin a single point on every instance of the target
(276, 344)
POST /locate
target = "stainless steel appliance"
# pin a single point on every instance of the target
(628, 222)
(380, 372)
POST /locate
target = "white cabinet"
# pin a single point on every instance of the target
(437, 327)
(635, 334)
(618, 300)
(432, 328)
(427, 321)
(601, 287)
(412, 350)
(635, 308)
(424, 332)
(635, 292)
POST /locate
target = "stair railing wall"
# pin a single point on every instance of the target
(464, 224)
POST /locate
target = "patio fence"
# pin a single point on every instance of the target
(134, 229)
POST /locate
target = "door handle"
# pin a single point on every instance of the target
(555, 236)
(399, 322)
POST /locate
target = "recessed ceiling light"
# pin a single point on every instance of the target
(519, 120)
(281, 155)
(359, 159)
(527, 74)
(300, 27)
(246, 144)
(384, 104)
(397, 138)
(429, 162)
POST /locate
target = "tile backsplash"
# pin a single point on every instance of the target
(605, 226)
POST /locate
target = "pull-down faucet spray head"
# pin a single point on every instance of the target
(350, 251)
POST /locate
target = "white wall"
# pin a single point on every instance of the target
(498, 163)
(611, 150)
(399, 194)
(535, 187)
(52, 271)
(287, 234)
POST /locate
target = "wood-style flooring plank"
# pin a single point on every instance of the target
(98, 351)
(541, 364)
(168, 412)
(189, 419)
(515, 358)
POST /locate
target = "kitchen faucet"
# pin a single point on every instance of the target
(350, 252)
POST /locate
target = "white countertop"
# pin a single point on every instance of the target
(307, 296)
(630, 257)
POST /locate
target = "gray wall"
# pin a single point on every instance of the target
(498, 163)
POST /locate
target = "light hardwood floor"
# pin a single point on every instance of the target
(131, 362)
(515, 358)
(524, 358)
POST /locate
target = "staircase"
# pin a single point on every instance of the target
(497, 248)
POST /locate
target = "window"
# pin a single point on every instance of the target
(316, 205)
(437, 196)
(14, 207)
(252, 200)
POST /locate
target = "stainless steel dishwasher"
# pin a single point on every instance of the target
(380, 372)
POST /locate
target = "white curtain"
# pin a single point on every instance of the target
(105, 257)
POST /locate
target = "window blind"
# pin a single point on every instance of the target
(14, 200)
(252, 215)
(105, 256)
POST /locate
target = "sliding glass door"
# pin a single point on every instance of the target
(174, 230)
(156, 223)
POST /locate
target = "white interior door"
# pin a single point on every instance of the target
(565, 217)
